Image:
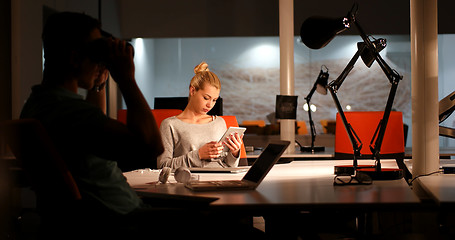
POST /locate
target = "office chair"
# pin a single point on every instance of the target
(31, 145)
(181, 102)
(63, 212)
(57, 194)
(364, 125)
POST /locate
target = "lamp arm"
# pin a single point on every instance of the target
(355, 140)
(333, 87)
(310, 119)
(446, 107)
(336, 84)
(394, 79)
(312, 128)
(391, 74)
(308, 97)
(446, 132)
(380, 130)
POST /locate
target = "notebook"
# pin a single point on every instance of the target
(252, 178)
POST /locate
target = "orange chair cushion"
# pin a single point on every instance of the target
(364, 125)
(302, 129)
(259, 123)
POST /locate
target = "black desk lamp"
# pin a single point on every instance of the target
(321, 87)
(446, 108)
(317, 32)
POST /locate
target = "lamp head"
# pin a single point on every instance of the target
(321, 82)
(317, 32)
(368, 56)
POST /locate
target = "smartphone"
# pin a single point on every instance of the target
(239, 130)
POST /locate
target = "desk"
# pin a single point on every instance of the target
(441, 188)
(288, 190)
(444, 152)
(327, 140)
(327, 154)
(296, 186)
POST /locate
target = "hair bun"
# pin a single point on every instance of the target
(203, 66)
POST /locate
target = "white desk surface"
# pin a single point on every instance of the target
(440, 187)
(297, 185)
(328, 153)
(443, 152)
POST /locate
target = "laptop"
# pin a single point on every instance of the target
(218, 170)
(252, 178)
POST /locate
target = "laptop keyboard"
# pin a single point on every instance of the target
(219, 183)
(228, 183)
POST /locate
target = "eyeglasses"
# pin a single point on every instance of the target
(359, 178)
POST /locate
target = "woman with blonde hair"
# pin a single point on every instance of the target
(190, 138)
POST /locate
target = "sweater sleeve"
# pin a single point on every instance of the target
(167, 159)
(232, 161)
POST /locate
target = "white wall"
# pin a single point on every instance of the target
(176, 58)
(144, 59)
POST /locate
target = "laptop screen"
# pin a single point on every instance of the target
(265, 161)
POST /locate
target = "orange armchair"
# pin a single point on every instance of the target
(364, 125)
(32, 146)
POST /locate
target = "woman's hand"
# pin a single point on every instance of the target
(234, 143)
(210, 150)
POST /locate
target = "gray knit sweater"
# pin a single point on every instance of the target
(182, 141)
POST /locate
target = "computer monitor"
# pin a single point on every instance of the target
(181, 102)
